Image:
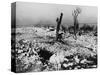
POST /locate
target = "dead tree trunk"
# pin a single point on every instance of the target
(76, 26)
(75, 14)
(58, 26)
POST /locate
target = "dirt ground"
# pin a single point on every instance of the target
(37, 50)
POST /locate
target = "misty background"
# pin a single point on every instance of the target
(41, 13)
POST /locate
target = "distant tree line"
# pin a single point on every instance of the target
(83, 29)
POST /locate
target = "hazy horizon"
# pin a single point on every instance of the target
(40, 13)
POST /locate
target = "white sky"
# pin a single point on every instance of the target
(33, 13)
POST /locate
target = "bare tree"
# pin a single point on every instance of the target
(75, 14)
(58, 20)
